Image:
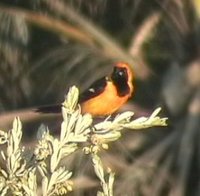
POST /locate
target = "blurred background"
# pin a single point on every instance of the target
(46, 46)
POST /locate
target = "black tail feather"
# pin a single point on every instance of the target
(49, 109)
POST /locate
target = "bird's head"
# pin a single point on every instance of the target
(122, 71)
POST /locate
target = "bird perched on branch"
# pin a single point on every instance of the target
(106, 95)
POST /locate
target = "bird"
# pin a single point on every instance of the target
(106, 95)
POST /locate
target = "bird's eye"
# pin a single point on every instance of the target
(121, 73)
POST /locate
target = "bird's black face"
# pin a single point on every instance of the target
(119, 77)
(119, 74)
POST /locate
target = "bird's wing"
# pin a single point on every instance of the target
(94, 90)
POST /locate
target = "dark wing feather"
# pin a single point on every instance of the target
(94, 90)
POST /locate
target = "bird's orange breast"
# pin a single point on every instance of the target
(106, 103)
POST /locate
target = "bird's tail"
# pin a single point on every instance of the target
(49, 109)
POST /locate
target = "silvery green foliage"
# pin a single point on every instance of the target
(16, 179)
(19, 176)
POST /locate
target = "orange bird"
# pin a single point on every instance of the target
(106, 95)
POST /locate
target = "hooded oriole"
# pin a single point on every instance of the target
(104, 96)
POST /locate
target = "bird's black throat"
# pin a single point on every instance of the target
(120, 79)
